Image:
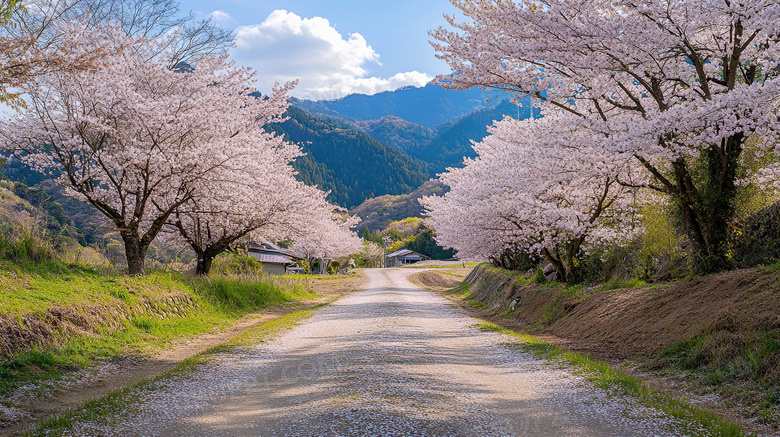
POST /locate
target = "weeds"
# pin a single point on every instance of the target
(771, 268)
(573, 291)
(26, 243)
(720, 356)
(551, 312)
(230, 264)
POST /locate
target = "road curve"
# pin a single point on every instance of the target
(390, 360)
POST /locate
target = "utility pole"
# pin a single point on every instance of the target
(385, 240)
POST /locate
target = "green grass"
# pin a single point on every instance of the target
(452, 274)
(519, 277)
(622, 283)
(690, 419)
(325, 277)
(119, 403)
(771, 268)
(720, 356)
(462, 290)
(213, 304)
(477, 304)
(58, 284)
(738, 363)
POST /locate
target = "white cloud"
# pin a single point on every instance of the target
(220, 16)
(285, 47)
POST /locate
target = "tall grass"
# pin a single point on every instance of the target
(238, 293)
(26, 242)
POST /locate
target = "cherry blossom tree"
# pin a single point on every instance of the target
(256, 195)
(541, 186)
(328, 236)
(683, 83)
(134, 138)
(371, 253)
(31, 34)
(30, 46)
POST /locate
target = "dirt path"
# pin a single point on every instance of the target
(32, 407)
(390, 360)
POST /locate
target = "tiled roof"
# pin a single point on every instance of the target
(272, 259)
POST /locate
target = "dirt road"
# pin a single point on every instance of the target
(391, 360)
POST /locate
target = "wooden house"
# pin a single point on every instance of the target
(273, 259)
(404, 257)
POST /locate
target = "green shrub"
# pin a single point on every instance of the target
(234, 264)
(538, 277)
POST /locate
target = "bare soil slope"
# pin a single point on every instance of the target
(631, 322)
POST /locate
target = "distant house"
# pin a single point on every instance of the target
(273, 259)
(404, 257)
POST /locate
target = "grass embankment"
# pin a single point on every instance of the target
(116, 403)
(56, 317)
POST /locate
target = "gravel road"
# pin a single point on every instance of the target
(391, 360)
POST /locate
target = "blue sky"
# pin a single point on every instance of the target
(335, 47)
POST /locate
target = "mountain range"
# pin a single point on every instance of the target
(364, 146)
(429, 106)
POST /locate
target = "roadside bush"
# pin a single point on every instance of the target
(233, 264)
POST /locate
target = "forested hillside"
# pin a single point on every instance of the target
(397, 132)
(349, 163)
(64, 215)
(453, 141)
(431, 123)
(377, 213)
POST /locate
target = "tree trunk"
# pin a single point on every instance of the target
(558, 265)
(203, 266)
(135, 253)
(708, 210)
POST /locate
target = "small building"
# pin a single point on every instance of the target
(273, 259)
(404, 257)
